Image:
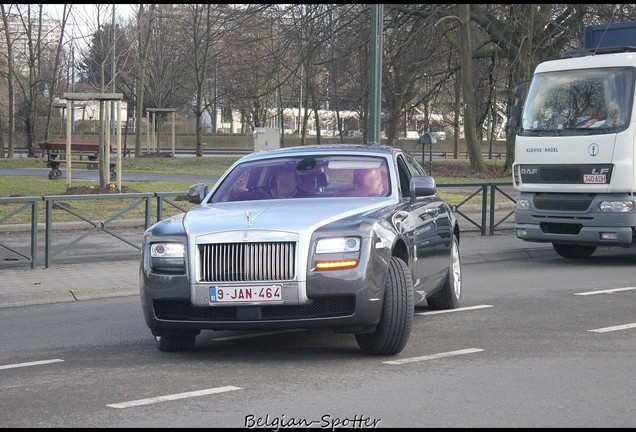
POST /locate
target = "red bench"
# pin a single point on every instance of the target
(89, 148)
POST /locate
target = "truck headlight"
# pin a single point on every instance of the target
(167, 257)
(617, 206)
(337, 253)
(523, 204)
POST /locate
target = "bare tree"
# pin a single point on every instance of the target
(527, 34)
(204, 27)
(10, 78)
(31, 68)
(144, 32)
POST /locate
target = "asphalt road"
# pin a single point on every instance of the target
(536, 343)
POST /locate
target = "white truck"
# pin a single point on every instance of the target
(575, 154)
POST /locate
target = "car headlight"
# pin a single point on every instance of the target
(168, 257)
(337, 253)
(338, 245)
(617, 206)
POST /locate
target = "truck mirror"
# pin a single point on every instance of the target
(515, 111)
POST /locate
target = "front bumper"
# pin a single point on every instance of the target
(344, 300)
(588, 226)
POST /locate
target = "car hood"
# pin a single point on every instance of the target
(294, 215)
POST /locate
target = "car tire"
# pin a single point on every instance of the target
(181, 342)
(396, 320)
(573, 251)
(450, 294)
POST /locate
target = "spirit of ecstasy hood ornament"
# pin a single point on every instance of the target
(247, 215)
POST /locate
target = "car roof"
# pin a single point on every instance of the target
(371, 149)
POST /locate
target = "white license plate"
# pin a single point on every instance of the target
(594, 178)
(267, 293)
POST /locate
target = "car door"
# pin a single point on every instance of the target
(420, 228)
(443, 225)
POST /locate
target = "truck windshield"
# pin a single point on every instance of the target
(579, 102)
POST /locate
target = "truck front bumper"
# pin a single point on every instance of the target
(589, 226)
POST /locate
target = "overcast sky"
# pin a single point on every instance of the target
(84, 17)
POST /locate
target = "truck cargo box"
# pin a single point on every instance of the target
(621, 34)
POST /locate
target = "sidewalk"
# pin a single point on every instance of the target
(22, 286)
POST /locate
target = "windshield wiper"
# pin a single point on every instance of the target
(541, 132)
(590, 131)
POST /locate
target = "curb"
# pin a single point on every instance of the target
(479, 258)
(64, 296)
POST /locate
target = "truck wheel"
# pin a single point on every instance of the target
(396, 320)
(573, 251)
(450, 295)
(174, 342)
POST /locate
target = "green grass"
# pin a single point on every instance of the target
(212, 166)
(444, 171)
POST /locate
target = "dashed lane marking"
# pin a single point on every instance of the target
(251, 335)
(433, 356)
(613, 328)
(607, 291)
(172, 397)
(33, 363)
(453, 310)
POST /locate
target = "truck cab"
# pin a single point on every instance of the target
(574, 152)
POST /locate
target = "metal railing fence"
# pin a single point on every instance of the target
(132, 213)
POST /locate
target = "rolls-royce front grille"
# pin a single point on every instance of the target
(247, 262)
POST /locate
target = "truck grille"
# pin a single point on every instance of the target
(563, 202)
(247, 262)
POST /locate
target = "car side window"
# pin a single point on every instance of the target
(414, 167)
(405, 176)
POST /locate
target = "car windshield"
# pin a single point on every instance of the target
(314, 176)
(590, 101)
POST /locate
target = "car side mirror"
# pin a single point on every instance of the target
(197, 193)
(422, 186)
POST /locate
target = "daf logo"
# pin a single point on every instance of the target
(529, 170)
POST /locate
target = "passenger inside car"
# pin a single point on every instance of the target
(368, 182)
(241, 190)
(307, 185)
(285, 185)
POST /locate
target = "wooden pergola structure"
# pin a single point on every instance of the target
(151, 130)
(107, 99)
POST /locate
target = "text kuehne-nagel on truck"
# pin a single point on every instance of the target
(575, 146)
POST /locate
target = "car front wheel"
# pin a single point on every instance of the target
(394, 328)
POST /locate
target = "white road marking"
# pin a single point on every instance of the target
(607, 291)
(433, 356)
(172, 397)
(33, 363)
(613, 328)
(251, 335)
(453, 310)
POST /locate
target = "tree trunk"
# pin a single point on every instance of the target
(468, 91)
(10, 88)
